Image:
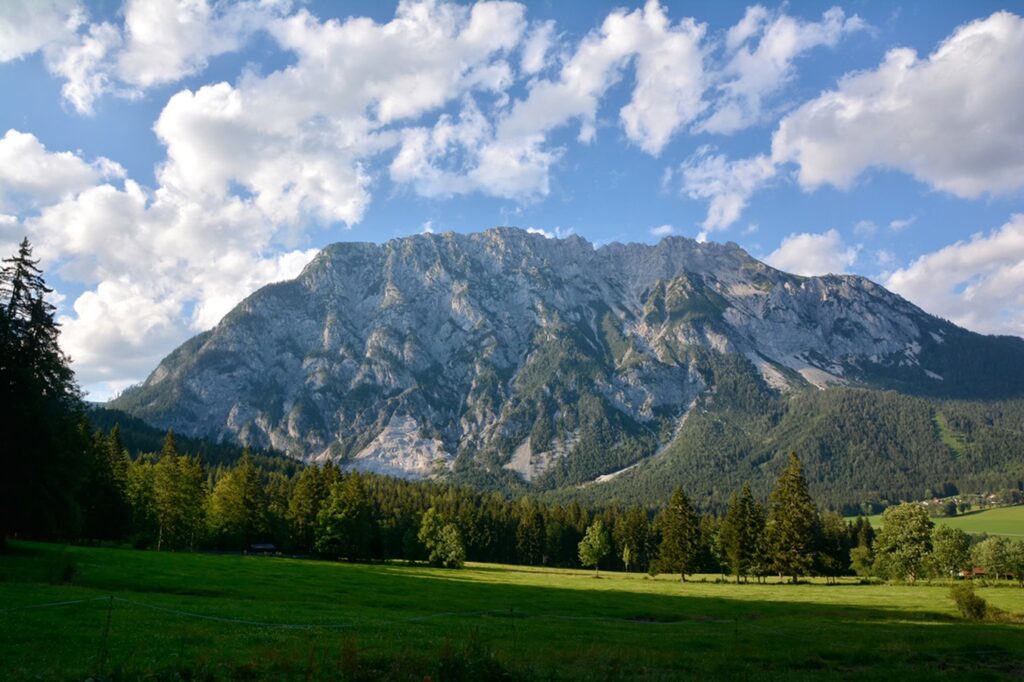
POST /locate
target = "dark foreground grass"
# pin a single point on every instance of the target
(191, 616)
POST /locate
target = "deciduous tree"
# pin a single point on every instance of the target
(595, 545)
(904, 543)
(951, 551)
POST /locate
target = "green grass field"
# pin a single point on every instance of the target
(195, 616)
(1008, 521)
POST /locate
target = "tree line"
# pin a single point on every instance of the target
(171, 500)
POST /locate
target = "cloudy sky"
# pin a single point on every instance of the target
(167, 157)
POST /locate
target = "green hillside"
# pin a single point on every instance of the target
(1007, 521)
(857, 446)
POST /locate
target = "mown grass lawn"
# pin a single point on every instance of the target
(198, 616)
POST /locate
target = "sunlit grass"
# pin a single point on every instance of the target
(324, 620)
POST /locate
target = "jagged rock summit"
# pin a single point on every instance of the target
(548, 359)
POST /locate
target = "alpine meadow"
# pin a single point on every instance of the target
(508, 340)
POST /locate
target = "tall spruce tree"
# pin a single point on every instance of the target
(345, 523)
(632, 531)
(792, 522)
(179, 493)
(308, 496)
(833, 546)
(103, 497)
(530, 535)
(741, 532)
(680, 536)
(141, 493)
(43, 452)
(237, 510)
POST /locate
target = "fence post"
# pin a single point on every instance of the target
(106, 635)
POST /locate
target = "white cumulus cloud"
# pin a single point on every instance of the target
(727, 185)
(666, 93)
(902, 223)
(754, 72)
(809, 254)
(157, 266)
(30, 175)
(166, 40)
(977, 283)
(298, 139)
(152, 43)
(536, 47)
(26, 26)
(951, 119)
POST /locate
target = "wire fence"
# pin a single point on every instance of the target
(503, 613)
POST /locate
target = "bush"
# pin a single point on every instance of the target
(472, 661)
(970, 605)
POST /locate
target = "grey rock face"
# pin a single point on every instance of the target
(507, 349)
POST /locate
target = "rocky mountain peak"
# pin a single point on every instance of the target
(546, 359)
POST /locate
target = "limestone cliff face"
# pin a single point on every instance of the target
(508, 349)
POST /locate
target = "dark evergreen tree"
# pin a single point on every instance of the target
(179, 493)
(345, 524)
(680, 536)
(792, 522)
(632, 531)
(741, 532)
(312, 487)
(530, 535)
(238, 514)
(865, 533)
(103, 494)
(833, 550)
(43, 452)
(141, 493)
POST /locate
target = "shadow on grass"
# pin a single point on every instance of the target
(406, 622)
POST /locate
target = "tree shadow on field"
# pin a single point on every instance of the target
(710, 634)
(347, 621)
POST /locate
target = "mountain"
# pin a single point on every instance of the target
(508, 359)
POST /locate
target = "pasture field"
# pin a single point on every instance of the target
(1007, 521)
(79, 612)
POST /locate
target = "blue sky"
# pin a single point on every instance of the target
(169, 156)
